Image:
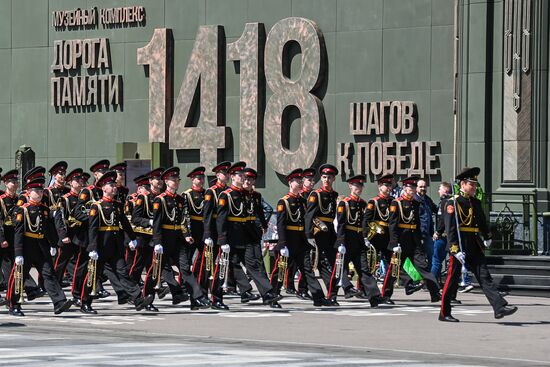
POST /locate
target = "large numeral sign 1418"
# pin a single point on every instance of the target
(203, 90)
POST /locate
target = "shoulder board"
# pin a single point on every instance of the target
(3, 195)
(285, 197)
(161, 195)
(346, 199)
(399, 199)
(25, 205)
(376, 198)
(67, 195)
(188, 191)
(318, 190)
(91, 187)
(228, 191)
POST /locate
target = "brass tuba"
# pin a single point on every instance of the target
(319, 226)
(374, 229)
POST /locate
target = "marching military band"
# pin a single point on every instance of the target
(212, 236)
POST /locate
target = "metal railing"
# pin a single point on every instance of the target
(512, 210)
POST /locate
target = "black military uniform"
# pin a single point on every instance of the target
(33, 227)
(302, 284)
(194, 202)
(405, 232)
(350, 213)
(7, 204)
(321, 204)
(258, 221)
(291, 210)
(209, 211)
(140, 207)
(106, 223)
(76, 249)
(465, 245)
(169, 228)
(234, 229)
(86, 197)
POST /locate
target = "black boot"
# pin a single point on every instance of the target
(87, 309)
(141, 302)
(64, 306)
(16, 311)
(249, 296)
(219, 305)
(505, 311)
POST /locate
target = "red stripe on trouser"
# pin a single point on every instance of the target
(450, 272)
(147, 279)
(215, 277)
(74, 273)
(274, 269)
(200, 269)
(134, 262)
(194, 265)
(300, 278)
(126, 256)
(57, 260)
(388, 273)
(331, 280)
(10, 283)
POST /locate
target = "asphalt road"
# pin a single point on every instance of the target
(407, 334)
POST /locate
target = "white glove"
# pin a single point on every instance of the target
(487, 243)
(460, 256)
(284, 251)
(226, 248)
(397, 249)
(53, 251)
(151, 222)
(209, 242)
(158, 249)
(93, 255)
(132, 245)
(342, 249)
(19, 260)
(312, 242)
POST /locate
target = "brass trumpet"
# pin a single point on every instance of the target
(224, 268)
(209, 254)
(319, 226)
(92, 276)
(157, 269)
(19, 282)
(372, 258)
(396, 267)
(314, 254)
(340, 265)
(283, 266)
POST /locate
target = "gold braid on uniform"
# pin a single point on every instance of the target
(350, 219)
(293, 217)
(465, 220)
(233, 208)
(384, 217)
(196, 209)
(32, 227)
(323, 210)
(407, 219)
(171, 216)
(111, 221)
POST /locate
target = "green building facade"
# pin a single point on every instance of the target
(363, 52)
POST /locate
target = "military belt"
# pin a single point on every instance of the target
(238, 219)
(172, 227)
(469, 229)
(295, 228)
(196, 217)
(109, 229)
(34, 235)
(354, 228)
(326, 219)
(406, 226)
(382, 223)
